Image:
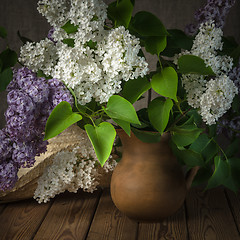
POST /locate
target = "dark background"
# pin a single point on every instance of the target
(22, 15)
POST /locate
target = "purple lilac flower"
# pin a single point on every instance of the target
(5, 146)
(58, 92)
(229, 128)
(24, 154)
(36, 88)
(8, 175)
(234, 75)
(30, 102)
(216, 10)
(50, 35)
(19, 115)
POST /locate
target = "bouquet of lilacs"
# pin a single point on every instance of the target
(91, 69)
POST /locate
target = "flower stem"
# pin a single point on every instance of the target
(180, 118)
(160, 63)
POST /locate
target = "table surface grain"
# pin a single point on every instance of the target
(210, 215)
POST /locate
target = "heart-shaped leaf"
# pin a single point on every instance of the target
(147, 136)
(120, 108)
(166, 83)
(134, 89)
(60, 119)
(124, 125)
(155, 45)
(121, 12)
(158, 112)
(185, 135)
(221, 173)
(193, 64)
(147, 24)
(5, 78)
(9, 58)
(102, 138)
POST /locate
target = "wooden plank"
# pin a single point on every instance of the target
(234, 203)
(110, 224)
(209, 216)
(70, 216)
(2, 206)
(172, 228)
(20, 220)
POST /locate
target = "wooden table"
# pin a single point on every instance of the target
(211, 215)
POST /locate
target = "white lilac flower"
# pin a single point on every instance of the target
(212, 97)
(72, 170)
(91, 71)
(39, 56)
(55, 11)
(98, 73)
(217, 99)
(88, 15)
(118, 52)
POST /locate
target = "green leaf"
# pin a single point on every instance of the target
(230, 183)
(145, 136)
(191, 158)
(69, 41)
(193, 64)
(124, 125)
(40, 74)
(205, 146)
(185, 135)
(187, 156)
(158, 112)
(147, 24)
(210, 151)
(102, 138)
(69, 27)
(196, 116)
(120, 108)
(201, 143)
(235, 169)
(9, 58)
(233, 148)
(202, 176)
(155, 45)
(143, 125)
(178, 39)
(221, 173)
(23, 39)
(5, 78)
(166, 83)
(121, 12)
(3, 32)
(60, 119)
(134, 89)
(91, 44)
(212, 130)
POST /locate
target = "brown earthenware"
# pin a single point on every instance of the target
(148, 184)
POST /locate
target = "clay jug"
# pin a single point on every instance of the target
(148, 183)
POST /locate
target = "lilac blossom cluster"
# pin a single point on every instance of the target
(215, 10)
(229, 124)
(30, 101)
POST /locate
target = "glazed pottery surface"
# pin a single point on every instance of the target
(148, 184)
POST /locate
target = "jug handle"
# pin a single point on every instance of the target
(190, 176)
